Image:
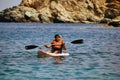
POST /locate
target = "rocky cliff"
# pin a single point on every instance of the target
(63, 11)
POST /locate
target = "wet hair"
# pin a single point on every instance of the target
(57, 35)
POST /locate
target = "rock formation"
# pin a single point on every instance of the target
(63, 11)
(115, 22)
(113, 12)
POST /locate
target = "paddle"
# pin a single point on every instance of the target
(79, 41)
(30, 47)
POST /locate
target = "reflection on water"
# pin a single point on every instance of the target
(97, 58)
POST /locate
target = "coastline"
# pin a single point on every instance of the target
(57, 12)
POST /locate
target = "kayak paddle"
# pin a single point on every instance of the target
(31, 47)
(79, 41)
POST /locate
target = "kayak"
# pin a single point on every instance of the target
(45, 54)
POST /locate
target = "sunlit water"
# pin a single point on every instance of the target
(98, 58)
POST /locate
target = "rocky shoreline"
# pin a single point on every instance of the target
(64, 11)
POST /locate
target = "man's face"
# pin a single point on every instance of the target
(57, 38)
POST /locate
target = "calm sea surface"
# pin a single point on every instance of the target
(98, 58)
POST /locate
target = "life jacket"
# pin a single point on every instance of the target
(57, 44)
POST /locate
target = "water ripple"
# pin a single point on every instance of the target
(97, 58)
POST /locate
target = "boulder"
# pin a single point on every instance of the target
(19, 14)
(115, 22)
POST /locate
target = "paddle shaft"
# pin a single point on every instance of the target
(79, 41)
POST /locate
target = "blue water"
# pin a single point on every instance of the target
(98, 58)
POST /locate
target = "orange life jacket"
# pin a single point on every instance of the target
(57, 44)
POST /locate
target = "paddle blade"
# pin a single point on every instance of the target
(30, 47)
(79, 41)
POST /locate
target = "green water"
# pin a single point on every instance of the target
(98, 58)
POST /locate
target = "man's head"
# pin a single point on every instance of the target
(57, 37)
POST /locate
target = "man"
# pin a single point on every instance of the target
(57, 44)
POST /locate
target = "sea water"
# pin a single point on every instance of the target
(97, 58)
